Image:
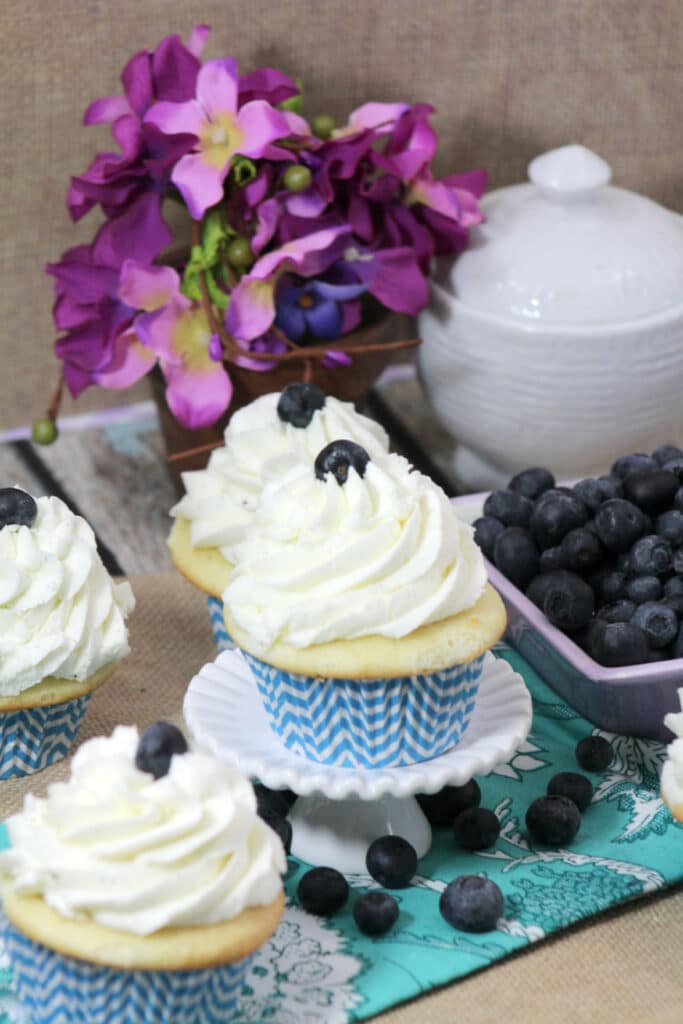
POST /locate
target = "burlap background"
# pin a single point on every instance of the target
(510, 78)
(622, 968)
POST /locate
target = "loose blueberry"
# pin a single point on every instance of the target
(670, 527)
(593, 492)
(157, 745)
(659, 654)
(612, 586)
(594, 753)
(665, 453)
(651, 489)
(569, 604)
(552, 559)
(644, 588)
(512, 509)
(658, 623)
(617, 611)
(677, 647)
(338, 458)
(17, 508)
(298, 403)
(532, 483)
(487, 529)
(627, 464)
(516, 555)
(675, 602)
(443, 808)
(618, 643)
(554, 515)
(392, 861)
(541, 584)
(553, 820)
(375, 913)
(674, 466)
(476, 829)
(323, 891)
(677, 563)
(471, 903)
(674, 586)
(619, 524)
(572, 785)
(678, 499)
(581, 550)
(281, 826)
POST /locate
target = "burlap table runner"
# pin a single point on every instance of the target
(624, 966)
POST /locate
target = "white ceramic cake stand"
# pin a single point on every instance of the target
(341, 810)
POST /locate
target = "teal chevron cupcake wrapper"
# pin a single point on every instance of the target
(33, 738)
(56, 989)
(376, 723)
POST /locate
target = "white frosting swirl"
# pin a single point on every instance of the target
(116, 846)
(672, 773)
(220, 500)
(60, 612)
(383, 554)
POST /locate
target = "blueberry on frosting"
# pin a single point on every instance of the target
(16, 507)
(298, 402)
(157, 746)
(338, 457)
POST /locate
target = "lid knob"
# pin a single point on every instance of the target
(569, 173)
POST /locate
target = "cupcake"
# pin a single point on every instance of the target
(361, 604)
(137, 890)
(62, 628)
(261, 441)
(672, 772)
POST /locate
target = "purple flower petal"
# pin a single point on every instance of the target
(338, 292)
(393, 276)
(217, 84)
(197, 399)
(351, 316)
(140, 234)
(260, 125)
(200, 184)
(251, 310)
(290, 317)
(176, 118)
(269, 213)
(377, 116)
(324, 319)
(106, 110)
(333, 359)
(129, 363)
(174, 69)
(266, 84)
(309, 204)
(147, 288)
(472, 181)
(137, 82)
(267, 343)
(197, 40)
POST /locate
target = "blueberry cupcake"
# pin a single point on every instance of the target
(360, 601)
(138, 890)
(62, 628)
(672, 772)
(261, 441)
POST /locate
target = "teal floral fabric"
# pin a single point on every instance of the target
(316, 969)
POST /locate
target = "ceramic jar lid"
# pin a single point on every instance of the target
(569, 248)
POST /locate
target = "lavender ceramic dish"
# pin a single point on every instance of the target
(632, 700)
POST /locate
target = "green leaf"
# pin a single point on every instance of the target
(216, 232)
(218, 297)
(243, 170)
(190, 284)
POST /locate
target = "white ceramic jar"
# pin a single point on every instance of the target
(556, 338)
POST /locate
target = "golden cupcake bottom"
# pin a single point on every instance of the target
(204, 567)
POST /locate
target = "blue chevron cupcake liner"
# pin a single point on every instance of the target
(33, 738)
(56, 989)
(376, 723)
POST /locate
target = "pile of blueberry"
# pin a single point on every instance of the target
(602, 559)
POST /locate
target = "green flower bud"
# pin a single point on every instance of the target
(323, 126)
(240, 254)
(297, 178)
(44, 431)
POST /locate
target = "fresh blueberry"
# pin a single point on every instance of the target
(619, 524)
(157, 745)
(392, 861)
(581, 549)
(617, 611)
(627, 464)
(572, 785)
(658, 623)
(651, 556)
(677, 563)
(487, 529)
(618, 643)
(659, 654)
(516, 555)
(674, 466)
(471, 903)
(511, 508)
(594, 753)
(17, 508)
(593, 492)
(677, 647)
(569, 604)
(644, 588)
(298, 403)
(281, 826)
(323, 891)
(375, 913)
(553, 820)
(272, 801)
(622, 562)
(675, 602)
(612, 587)
(541, 584)
(670, 527)
(674, 586)
(476, 829)
(651, 489)
(532, 483)
(554, 515)
(551, 559)
(338, 458)
(665, 453)
(443, 808)
(678, 499)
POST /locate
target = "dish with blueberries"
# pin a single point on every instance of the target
(592, 574)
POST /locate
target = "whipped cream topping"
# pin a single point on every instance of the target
(116, 846)
(220, 500)
(60, 612)
(672, 773)
(381, 555)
